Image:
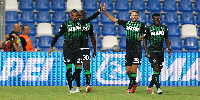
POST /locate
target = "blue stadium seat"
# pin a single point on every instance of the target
(138, 5)
(9, 28)
(153, 5)
(12, 17)
(43, 17)
(198, 32)
(171, 18)
(121, 5)
(32, 28)
(105, 19)
(196, 6)
(176, 44)
(121, 31)
(96, 28)
(90, 5)
(34, 41)
(191, 44)
(56, 28)
(44, 42)
(150, 18)
(109, 29)
(187, 18)
(59, 17)
(26, 5)
(58, 5)
(185, 6)
(59, 43)
(109, 4)
(169, 6)
(27, 17)
(142, 17)
(198, 19)
(123, 15)
(99, 44)
(42, 5)
(122, 42)
(90, 13)
(174, 30)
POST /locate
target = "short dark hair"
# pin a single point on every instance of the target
(24, 27)
(136, 11)
(74, 11)
(83, 12)
(155, 14)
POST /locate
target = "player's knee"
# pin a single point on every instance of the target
(86, 67)
(128, 72)
(155, 67)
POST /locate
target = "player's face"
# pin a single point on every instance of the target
(74, 16)
(134, 16)
(156, 20)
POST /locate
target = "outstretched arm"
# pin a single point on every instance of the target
(113, 19)
(168, 47)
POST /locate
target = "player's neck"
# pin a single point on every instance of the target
(133, 22)
(156, 25)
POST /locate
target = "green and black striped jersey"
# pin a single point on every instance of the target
(156, 36)
(86, 29)
(133, 32)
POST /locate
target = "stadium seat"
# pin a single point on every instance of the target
(44, 29)
(171, 18)
(34, 41)
(191, 44)
(169, 6)
(43, 17)
(12, 17)
(99, 44)
(59, 43)
(176, 44)
(105, 19)
(174, 30)
(185, 6)
(90, 5)
(109, 4)
(9, 28)
(121, 31)
(121, 5)
(11, 5)
(27, 17)
(96, 28)
(123, 15)
(122, 42)
(74, 4)
(187, 18)
(198, 32)
(198, 19)
(108, 42)
(42, 5)
(142, 17)
(26, 5)
(150, 18)
(138, 5)
(90, 13)
(109, 29)
(153, 5)
(58, 5)
(32, 28)
(59, 17)
(196, 6)
(56, 28)
(189, 30)
(45, 42)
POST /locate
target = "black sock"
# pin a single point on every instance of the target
(69, 77)
(134, 78)
(131, 77)
(152, 81)
(78, 80)
(76, 76)
(157, 81)
(88, 77)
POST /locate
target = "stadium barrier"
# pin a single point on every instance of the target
(107, 68)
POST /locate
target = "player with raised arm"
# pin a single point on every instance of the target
(71, 46)
(156, 35)
(134, 31)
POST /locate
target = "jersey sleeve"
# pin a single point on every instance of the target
(166, 36)
(88, 19)
(61, 31)
(147, 35)
(122, 22)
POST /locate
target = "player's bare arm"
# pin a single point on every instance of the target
(168, 44)
(113, 19)
(147, 55)
(93, 40)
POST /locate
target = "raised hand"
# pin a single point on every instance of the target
(104, 7)
(101, 7)
(49, 51)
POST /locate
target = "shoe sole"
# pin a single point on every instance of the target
(159, 93)
(89, 89)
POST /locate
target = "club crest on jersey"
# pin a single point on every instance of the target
(157, 33)
(132, 28)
